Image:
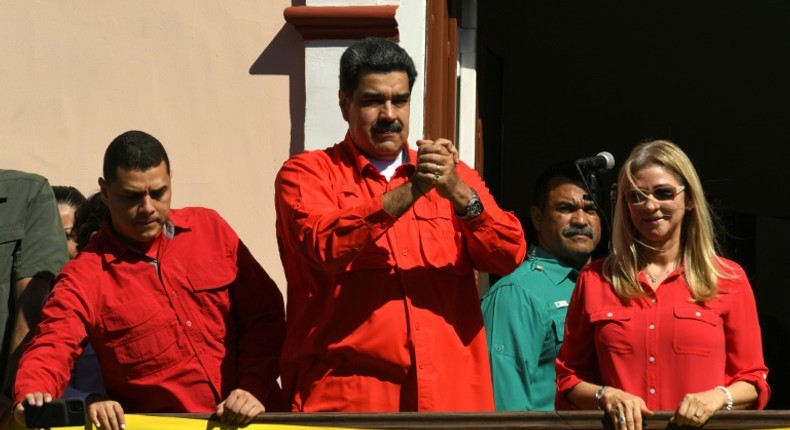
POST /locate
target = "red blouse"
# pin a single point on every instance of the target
(663, 346)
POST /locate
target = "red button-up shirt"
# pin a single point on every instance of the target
(383, 313)
(663, 346)
(174, 340)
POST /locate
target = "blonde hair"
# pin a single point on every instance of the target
(698, 245)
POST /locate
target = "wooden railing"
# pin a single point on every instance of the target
(587, 420)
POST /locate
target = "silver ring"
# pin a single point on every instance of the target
(697, 415)
(621, 419)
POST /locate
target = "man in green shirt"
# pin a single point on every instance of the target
(524, 312)
(32, 251)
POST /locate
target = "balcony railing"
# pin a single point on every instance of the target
(587, 420)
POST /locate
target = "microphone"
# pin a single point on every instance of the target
(603, 162)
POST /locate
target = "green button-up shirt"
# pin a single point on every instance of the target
(32, 241)
(524, 316)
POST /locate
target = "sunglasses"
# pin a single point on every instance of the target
(661, 194)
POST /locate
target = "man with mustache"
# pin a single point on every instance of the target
(524, 312)
(180, 314)
(380, 242)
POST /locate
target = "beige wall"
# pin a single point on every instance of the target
(212, 80)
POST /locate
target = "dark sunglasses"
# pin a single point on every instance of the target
(661, 194)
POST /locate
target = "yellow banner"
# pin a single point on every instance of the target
(147, 422)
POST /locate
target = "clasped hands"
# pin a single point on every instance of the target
(436, 161)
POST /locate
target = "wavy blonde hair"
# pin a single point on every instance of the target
(698, 245)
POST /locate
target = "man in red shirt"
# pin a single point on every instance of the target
(182, 317)
(380, 243)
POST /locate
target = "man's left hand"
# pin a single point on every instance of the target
(239, 409)
(436, 161)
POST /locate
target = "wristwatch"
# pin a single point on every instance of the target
(474, 208)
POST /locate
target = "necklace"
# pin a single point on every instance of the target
(654, 278)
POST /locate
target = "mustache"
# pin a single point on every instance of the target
(574, 230)
(386, 127)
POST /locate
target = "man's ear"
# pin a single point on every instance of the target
(103, 190)
(535, 214)
(344, 101)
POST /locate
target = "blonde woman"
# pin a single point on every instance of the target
(663, 323)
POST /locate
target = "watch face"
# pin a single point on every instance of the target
(475, 208)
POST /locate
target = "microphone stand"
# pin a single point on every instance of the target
(592, 187)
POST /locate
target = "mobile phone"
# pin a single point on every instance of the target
(57, 413)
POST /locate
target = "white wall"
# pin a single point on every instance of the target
(324, 125)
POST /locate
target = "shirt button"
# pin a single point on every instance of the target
(421, 366)
(610, 314)
(417, 327)
(652, 359)
(189, 323)
(652, 300)
(652, 391)
(652, 326)
(403, 252)
(699, 314)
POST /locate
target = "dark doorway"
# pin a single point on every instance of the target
(565, 80)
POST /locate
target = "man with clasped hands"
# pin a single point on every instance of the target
(380, 242)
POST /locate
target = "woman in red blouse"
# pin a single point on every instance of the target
(663, 323)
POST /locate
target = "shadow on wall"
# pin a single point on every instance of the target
(285, 56)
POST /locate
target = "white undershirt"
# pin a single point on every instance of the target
(386, 167)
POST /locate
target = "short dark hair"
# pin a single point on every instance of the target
(88, 219)
(68, 195)
(540, 191)
(133, 150)
(564, 169)
(377, 55)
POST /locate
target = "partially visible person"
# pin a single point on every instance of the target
(88, 220)
(380, 243)
(86, 375)
(664, 322)
(181, 315)
(32, 252)
(524, 312)
(68, 199)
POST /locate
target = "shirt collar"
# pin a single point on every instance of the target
(115, 246)
(555, 270)
(362, 163)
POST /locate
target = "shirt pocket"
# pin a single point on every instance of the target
(10, 235)
(140, 336)
(613, 329)
(210, 284)
(441, 241)
(346, 195)
(696, 330)
(557, 316)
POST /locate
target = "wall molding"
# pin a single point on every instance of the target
(343, 22)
